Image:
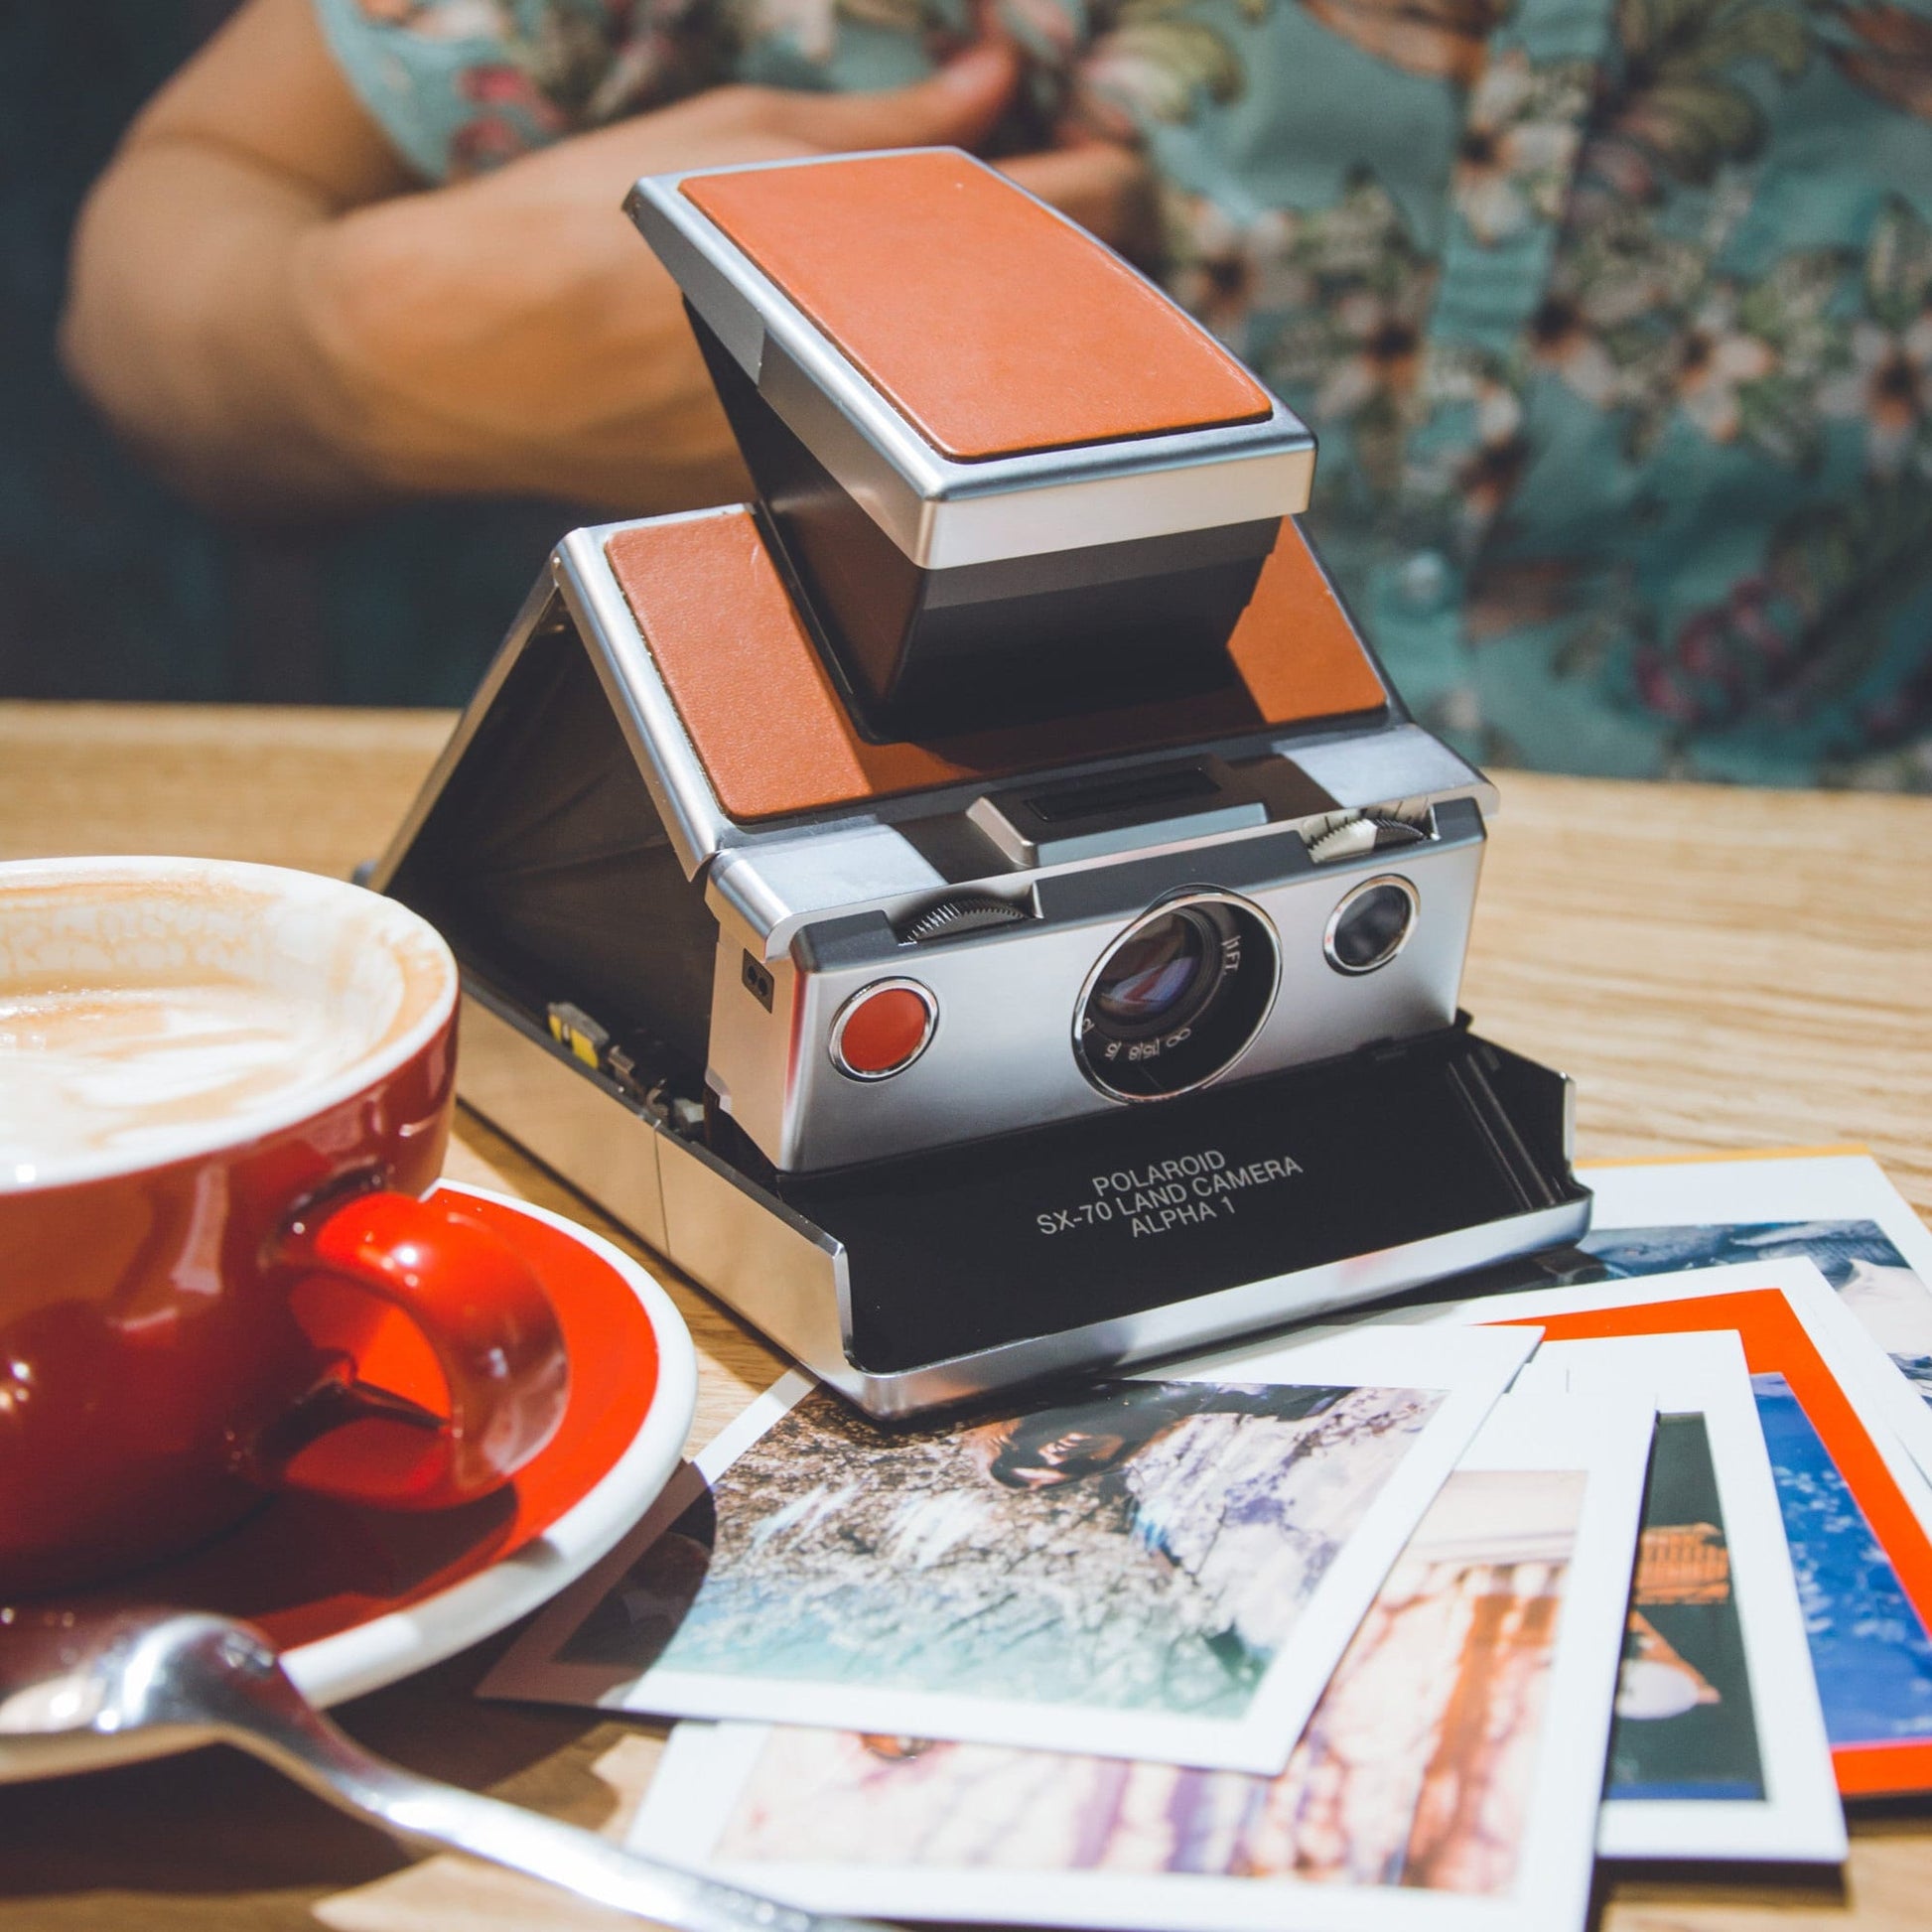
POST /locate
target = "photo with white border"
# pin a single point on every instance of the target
(1743, 1576)
(1107, 1606)
(1837, 1211)
(1450, 1782)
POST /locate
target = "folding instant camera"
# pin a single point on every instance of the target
(979, 910)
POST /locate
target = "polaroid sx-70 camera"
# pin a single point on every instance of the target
(979, 910)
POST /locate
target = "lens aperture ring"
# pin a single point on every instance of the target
(1177, 998)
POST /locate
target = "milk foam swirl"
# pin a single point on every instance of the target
(124, 1068)
(154, 1009)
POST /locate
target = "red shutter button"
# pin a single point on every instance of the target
(882, 1029)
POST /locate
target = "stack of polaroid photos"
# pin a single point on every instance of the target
(1399, 1621)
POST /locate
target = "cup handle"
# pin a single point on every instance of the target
(493, 1336)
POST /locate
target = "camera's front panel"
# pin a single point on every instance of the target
(1124, 982)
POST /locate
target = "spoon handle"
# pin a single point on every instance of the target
(300, 1742)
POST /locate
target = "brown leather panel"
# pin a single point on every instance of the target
(991, 325)
(774, 738)
(1294, 648)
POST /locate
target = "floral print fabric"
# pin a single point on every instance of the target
(1614, 317)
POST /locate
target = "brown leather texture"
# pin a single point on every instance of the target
(766, 719)
(991, 325)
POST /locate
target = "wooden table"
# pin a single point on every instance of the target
(1720, 969)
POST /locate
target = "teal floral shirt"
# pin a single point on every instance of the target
(1614, 317)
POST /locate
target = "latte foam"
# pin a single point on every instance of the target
(100, 1069)
(154, 1008)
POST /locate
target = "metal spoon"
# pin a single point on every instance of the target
(73, 1683)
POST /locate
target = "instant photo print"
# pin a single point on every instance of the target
(980, 908)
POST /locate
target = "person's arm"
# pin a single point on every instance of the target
(184, 322)
(260, 307)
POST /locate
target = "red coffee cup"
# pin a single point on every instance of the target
(223, 1089)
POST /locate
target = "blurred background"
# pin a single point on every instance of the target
(1669, 521)
(112, 586)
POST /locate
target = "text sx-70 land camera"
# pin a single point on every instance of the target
(978, 908)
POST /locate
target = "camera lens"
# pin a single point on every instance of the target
(1177, 998)
(1165, 970)
(1371, 925)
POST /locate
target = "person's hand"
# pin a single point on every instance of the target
(261, 307)
(514, 334)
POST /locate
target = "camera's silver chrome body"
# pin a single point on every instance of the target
(1002, 1056)
(662, 988)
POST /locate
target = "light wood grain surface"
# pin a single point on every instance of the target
(1721, 970)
